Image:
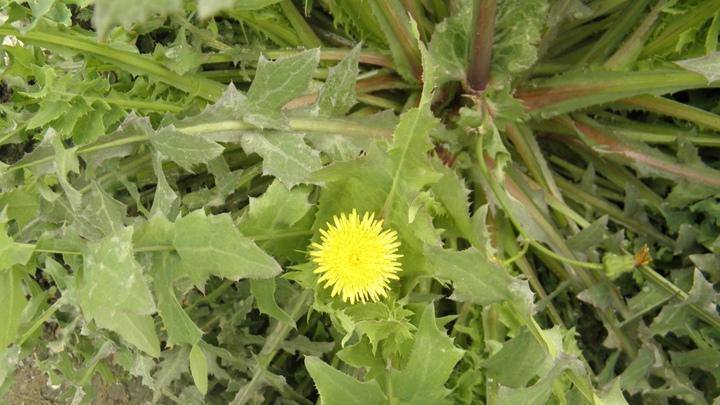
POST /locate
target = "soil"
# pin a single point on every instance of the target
(31, 388)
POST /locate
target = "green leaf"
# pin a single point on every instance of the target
(101, 215)
(275, 84)
(708, 66)
(432, 359)
(13, 302)
(180, 328)
(338, 388)
(450, 45)
(213, 245)
(515, 45)
(65, 161)
(49, 111)
(112, 278)
(209, 8)
(475, 278)
(589, 237)
(21, 205)
(112, 291)
(675, 318)
(91, 126)
(539, 393)
(285, 155)
(409, 153)
(519, 361)
(11, 252)
(453, 194)
(264, 293)
(392, 18)
(109, 13)
(131, 126)
(185, 150)
(199, 369)
(138, 330)
(282, 217)
(165, 201)
(337, 95)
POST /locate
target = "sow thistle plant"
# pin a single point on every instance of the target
(359, 201)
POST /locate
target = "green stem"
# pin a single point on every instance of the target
(54, 38)
(322, 125)
(278, 33)
(306, 34)
(251, 55)
(625, 21)
(631, 48)
(127, 103)
(41, 320)
(665, 106)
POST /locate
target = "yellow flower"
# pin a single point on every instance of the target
(356, 257)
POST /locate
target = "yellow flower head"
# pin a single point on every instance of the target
(356, 257)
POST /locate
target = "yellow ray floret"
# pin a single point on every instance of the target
(356, 257)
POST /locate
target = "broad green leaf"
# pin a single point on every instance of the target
(450, 45)
(109, 13)
(11, 252)
(113, 291)
(138, 330)
(100, 215)
(275, 84)
(409, 153)
(708, 66)
(112, 278)
(264, 293)
(519, 361)
(49, 111)
(185, 150)
(515, 45)
(338, 388)
(337, 95)
(362, 183)
(432, 359)
(539, 393)
(213, 245)
(91, 126)
(132, 126)
(13, 302)
(475, 278)
(199, 369)
(280, 219)
(21, 205)
(180, 328)
(285, 155)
